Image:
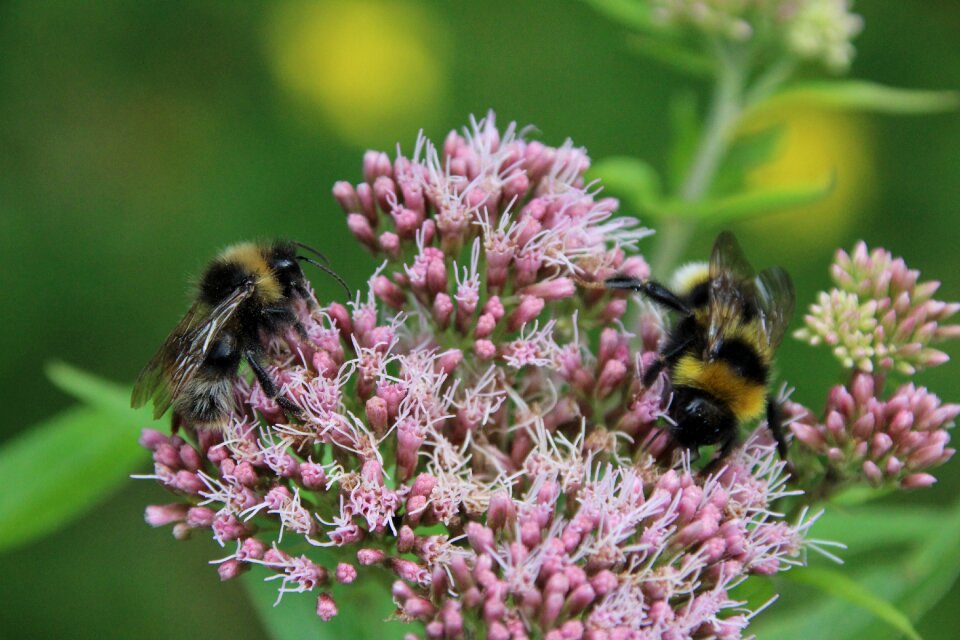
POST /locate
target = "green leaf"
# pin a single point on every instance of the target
(630, 178)
(856, 495)
(915, 581)
(672, 54)
(860, 95)
(876, 527)
(95, 392)
(364, 608)
(755, 592)
(838, 584)
(749, 204)
(629, 13)
(61, 467)
(748, 151)
(933, 569)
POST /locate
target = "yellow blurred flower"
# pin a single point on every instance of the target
(815, 144)
(370, 68)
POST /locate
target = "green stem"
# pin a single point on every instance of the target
(726, 108)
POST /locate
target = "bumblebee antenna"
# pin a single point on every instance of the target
(322, 257)
(333, 274)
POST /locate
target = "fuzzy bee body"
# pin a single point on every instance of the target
(245, 295)
(720, 351)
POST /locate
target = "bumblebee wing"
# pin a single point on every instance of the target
(154, 380)
(183, 352)
(775, 299)
(731, 283)
(727, 259)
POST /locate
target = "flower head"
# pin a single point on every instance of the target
(879, 316)
(476, 424)
(817, 30)
(879, 440)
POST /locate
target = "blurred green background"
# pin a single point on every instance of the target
(136, 139)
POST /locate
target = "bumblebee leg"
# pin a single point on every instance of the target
(775, 424)
(651, 289)
(672, 351)
(650, 375)
(269, 386)
(726, 448)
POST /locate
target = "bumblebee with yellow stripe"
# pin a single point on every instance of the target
(246, 295)
(719, 352)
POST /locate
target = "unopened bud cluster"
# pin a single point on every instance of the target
(817, 30)
(879, 316)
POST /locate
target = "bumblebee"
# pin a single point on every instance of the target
(720, 350)
(246, 295)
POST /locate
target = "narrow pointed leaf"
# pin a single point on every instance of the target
(95, 391)
(60, 468)
(672, 54)
(876, 527)
(629, 13)
(840, 585)
(629, 178)
(860, 95)
(750, 204)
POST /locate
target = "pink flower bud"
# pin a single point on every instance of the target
(556, 289)
(419, 608)
(449, 360)
(501, 511)
(359, 226)
(480, 537)
(346, 196)
(181, 531)
(200, 517)
(230, 569)
(345, 573)
(918, 481)
(436, 276)
(151, 439)
(251, 549)
(368, 557)
(161, 515)
(313, 476)
(528, 309)
(494, 307)
(614, 372)
(190, 458)
(872, 472)
(326, 607)
(389, 243)
(485, 326)
(377, 414)
(189, 482)
(581, 598)
(390, 293)
(442, 309)
(341, 317)
(484, 349)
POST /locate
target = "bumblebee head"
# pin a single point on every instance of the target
(700, 418)
(283, 262)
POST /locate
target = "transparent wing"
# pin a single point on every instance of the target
(775, 300)
(731, 286)
(183, 352)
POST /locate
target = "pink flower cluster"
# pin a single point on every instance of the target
(476, 425)
(892, 440)
(880, 316)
